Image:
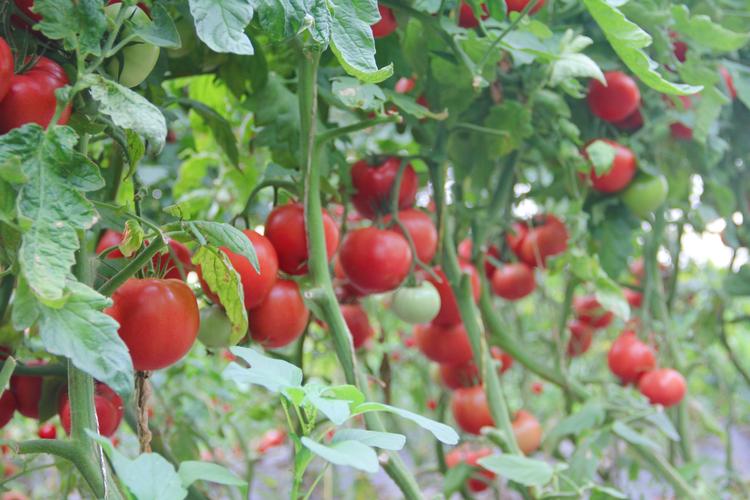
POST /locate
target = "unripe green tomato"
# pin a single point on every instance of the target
(645, 194)
(419, 304)
(216, 329)
(186, 31)
(138, 58)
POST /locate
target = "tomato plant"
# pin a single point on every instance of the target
(375, 260)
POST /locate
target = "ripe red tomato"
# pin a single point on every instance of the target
(590, 311)
(449, 313)
(47, 431)
(31, 97)
(665, 386)
(404, 85)
(479, 479)
(635, 299)
(470, 409)
(728, 81)
(516, 235)
(467, 374)
(358, 324)
(27, 390)
(443, 344)
(373, 183)
(528, 431)
(281, 317)
(615, 101)
(25, 7)
(465, 249)
(285, 229)
(271, 439)
(679, 48)
(629, 358)
(546, 238)
(519, 5)
(163, 263)
(537, 388)
(422, 231)
(254, 285)
(109, 239)
(375, 260)
(108, 407)
(7, 407)
(621, 172)
(679, 130)
(466, 17)
(6, 67)
(158, 318)
(513, 281)
(634, 121)
(581, 335)
(386, 25)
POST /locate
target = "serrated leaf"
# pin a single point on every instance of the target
(284, 19)
(382, 440)
(355, 94)
(442, 432)
(79, 24)
(273, 374)
(571, 63)
(350, 453)
(220, 24)
(522, 470)
(128, 110)
(191, 471)
(220, 234)
(706, 32)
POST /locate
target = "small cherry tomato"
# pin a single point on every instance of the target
(373, 183)
(616, 100)
(444, 344)
(271, 439)
(590, 311)
(581, 335)
(375, 260)
(665, 386)
(528, 431)
(386, 25)
(449, 313)
(481, 477)
(47, 431)
(470, 409)
(621, 171)
(281, 318)
(513, 281)
(358, 324)
(629, 358)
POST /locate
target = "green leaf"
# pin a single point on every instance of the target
(628, 40)
(632, 436)
(741, 77)
(590, 416)
(602, 156)
(51, 206)
(336, 410)
(348, 393)
(738, 284)
(707, 112)
(191, 471)
(8, 366)
(571, 63)
(706, 32)
(662, 422)
(223, 280)
(79, 24)
(522, 470)
(599, 492)
(351, 453)
(161, 31)
(383, 440)
(219, 126)
(354, 94)
(410, 106)
(220, 234)
(456, 476)
(132, 238)
(442, 432)
(220, 24)
(514, 119)
(273, 374)
(284, 19)
(352, 41)
(128, 109)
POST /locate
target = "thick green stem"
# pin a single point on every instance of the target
(133, 267)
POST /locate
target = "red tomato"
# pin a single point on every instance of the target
(285, 229)
(449, 313)
(467, 374)
(444, 344)
(271, 439)
(590, 311)
(27, 390)
(31, 97)
(6, 67)
(629, 358)
(166, 266)
(404, 85)
(615, 101)
(479, 479)
(635, 299)
(7, 407)
(47, 431)
(358, 324)
(728, 81)
(25, 7)
(581, 335)
(375, 260)
(516, 235)
(465, 250)
(255, 286)
(422, 232)
(621, 172)
(679, 48)
(386, 25)
(466, 17)
(108, 413)
(373, 183)
(680, 130)
(548, 237)
(634, 121)
(159, 321)
(470, 409)
(664, 387)
(109, 239)
(345, 291)
(281, 317)
(513, 281)
(537, 388)
(527, 431)
(431, 404)
(519, 5)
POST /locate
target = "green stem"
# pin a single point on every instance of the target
(135, 265)
(665, 470)
(329, 135)
(41, 370)
(6, 290)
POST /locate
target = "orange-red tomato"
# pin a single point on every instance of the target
(444, 344)
(629, 358)
(358, 324)
(282, 316)
(470, 409)
(615, 101)
(528, 431)
(479, 479)
(449, 313)
(513, 281)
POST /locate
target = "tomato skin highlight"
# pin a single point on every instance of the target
(255, 286)
(513, 281)
(449, 313)
(159, 321)
(375, 260)
(30, 97)
(6, 67)
(423, 232)
(476, 482)
(372, 184)
(470, 409)
(664, 386)
(7, 407)
(615, 101)
(386, 25)
(358, 324)
(620, 174)
(281, 318)
(444, 344)
(285, 229)
(629, 357)
(527, 431)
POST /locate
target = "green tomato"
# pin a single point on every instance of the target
(645, 194)
(419, 304)
(136, 61)
(216, 329)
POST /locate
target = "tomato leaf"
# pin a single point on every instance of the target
(219, 126)
(8, 366)
(224, 235)
(273, 374)
(161, 31)
(352, 93)
(191, 471)
(284, 19)
(220, 24)
(741, 78)
(442, 432)
(628, 40)
(601, 155)
(456, 476)
(571, 64)
(80, 24)
(337, 410)
(352, 453)
(662, 422)
(705, 32)
(522, 470)
(590, 416)
(632, 436)
(707, 112)
(383, 440)
(410, 106)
